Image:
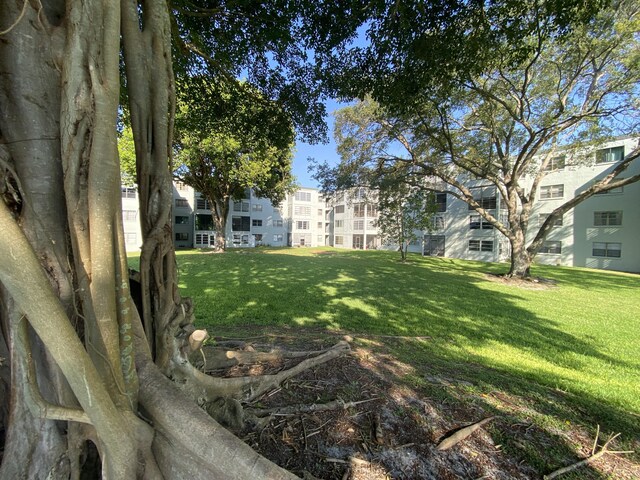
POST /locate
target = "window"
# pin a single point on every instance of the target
(543, 218)
(181, 186)
(303, 196)
(438, 222)
(339, 240)
(611, 191)
(607, 219)
(481, 245)
(358, 210)
(302, 225)
(371, 224)
(278, 237)
(204, 222)
(129, 215)
(361, 193)
(607, 249)
(339, 209)
(130, 238)
(320, 225)
(476, 222)
(182, 220)
(339, 223)
(301, 210)
(320, 240)
(277, 223)
(372, 210)
(441, 202)
(551, 247)
(433, 245)
(245, 239)
(486, 246)
(556, 163)
(358, 224)
(608, 155)
(320, 212)
(240, 224)
(485, 196)
(182, 203)
(240, 206)
(256, 223)
(128, 192)
(256, 207)
(203, 238)
(551, 191)
(258, 238)
(182, 237)
(202, 204)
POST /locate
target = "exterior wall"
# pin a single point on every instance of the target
(306, 215)
(131, 219)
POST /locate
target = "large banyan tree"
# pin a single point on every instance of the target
(90, 382)
(86, 374)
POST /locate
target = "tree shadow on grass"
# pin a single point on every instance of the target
(469, 323)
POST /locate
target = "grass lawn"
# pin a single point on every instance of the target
(570, 350)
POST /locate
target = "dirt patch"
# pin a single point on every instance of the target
(532, 283)
(390, 429)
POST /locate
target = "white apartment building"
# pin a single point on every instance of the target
(353, 221)
(601, 232)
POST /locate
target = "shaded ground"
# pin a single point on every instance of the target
(394, 431)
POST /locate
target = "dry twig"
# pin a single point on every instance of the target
(592, 458)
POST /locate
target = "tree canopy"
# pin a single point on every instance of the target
(506, 125)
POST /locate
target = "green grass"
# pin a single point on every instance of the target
(579, 339)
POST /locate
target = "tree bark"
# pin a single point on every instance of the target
(219, 212)
(520, 258)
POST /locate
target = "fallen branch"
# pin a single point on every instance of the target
(461, 434)
(592, 458)
(297, 409)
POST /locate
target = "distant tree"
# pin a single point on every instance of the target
(127, 153)
(507, 125)
(223, 157)
(404, 213)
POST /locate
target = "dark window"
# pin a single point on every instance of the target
(256, 223)
(607, 249)
(240, 224)
(556, 163)
(441, 202)
(434, 245)
(551, 247)
(604, 219)
(182, 220)
(182, 237)
(182, 202)
(339, 209)
(204, 222)
(607, 155)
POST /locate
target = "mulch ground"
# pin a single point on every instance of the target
(390, 430)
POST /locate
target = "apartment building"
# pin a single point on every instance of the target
(600, 232)
(353, 220)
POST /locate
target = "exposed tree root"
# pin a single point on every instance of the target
(188, 442)
(220, 358)
(297, 409)
(460, 435)
(604, 449)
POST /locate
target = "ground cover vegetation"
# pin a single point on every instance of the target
(97, 385)
(556, 358)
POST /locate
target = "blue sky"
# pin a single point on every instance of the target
(320, 152)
